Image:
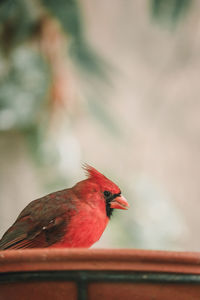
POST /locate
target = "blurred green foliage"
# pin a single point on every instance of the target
(22, 87)
(26, 74)
(169, 10)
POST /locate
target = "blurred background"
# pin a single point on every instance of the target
(114, 84)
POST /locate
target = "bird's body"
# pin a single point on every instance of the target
(74, 217)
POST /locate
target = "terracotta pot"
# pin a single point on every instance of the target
(99, 274)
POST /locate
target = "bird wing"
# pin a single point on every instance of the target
(22, 235)
(41, 224)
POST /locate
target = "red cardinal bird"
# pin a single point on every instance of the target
(74, 217)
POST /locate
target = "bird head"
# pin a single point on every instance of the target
(110, 192)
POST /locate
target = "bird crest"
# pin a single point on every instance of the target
(102, 180)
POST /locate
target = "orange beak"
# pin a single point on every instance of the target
(119, 203)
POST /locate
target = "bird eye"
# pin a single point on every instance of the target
(107, 194)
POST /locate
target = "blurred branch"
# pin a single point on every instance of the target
(69, 16)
